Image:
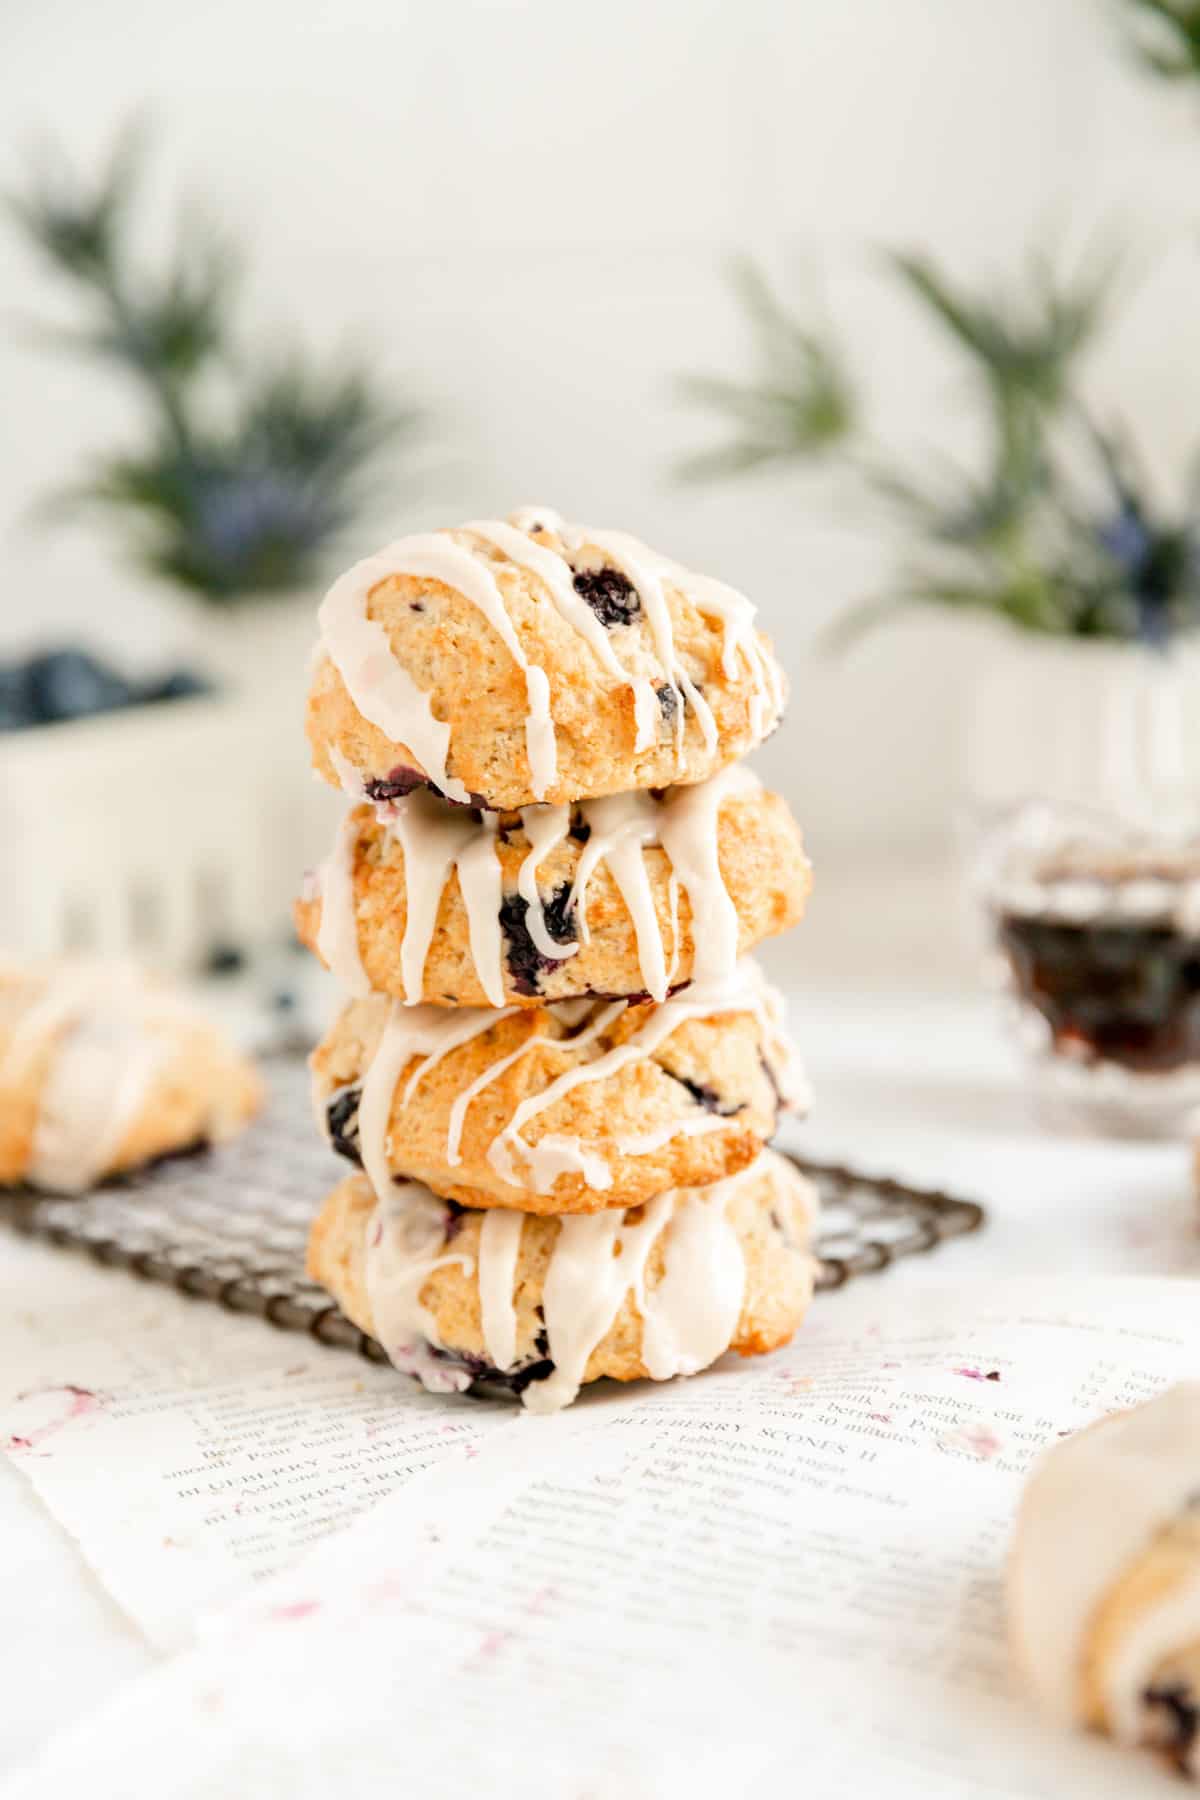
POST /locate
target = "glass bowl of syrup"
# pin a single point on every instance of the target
(1096, 929)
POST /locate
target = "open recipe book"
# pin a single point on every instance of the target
(775, 1577)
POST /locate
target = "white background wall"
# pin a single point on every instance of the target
(524, 207)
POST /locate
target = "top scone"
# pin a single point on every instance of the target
(505, 664)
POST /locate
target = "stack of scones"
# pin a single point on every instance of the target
(557, 1069)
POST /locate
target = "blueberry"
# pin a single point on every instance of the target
(341, 1116)
(69, 684)
(1180, 1718)
(611, 596)
(401, 781)
(705, 1096)
(16, 702)
(668, 702)
(486, 1378)
(177, 684)
(525, 960)
(395, 784)
(224, 959)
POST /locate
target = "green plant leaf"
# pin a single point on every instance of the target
(253, 464)
(801, 407)
(1165, 36)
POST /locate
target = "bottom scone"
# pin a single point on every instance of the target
(1104, 1583)
(540, 1305)
(102, 1070)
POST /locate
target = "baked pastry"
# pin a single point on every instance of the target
(538, 1305)
(431, 902)
(1104, 1580)
(102, 1069)
(573, 1107)
(512, 663)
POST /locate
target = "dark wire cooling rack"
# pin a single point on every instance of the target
(230, 1225)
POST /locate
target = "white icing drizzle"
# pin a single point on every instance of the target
(571, 1012)
(636, 563)
(597, 1258)
(689, 836)
(404, 1234)
(385, 693)
(644, 1143)
(1092, 1506)
(684, 822)
(545, 826)
(557, 576)
(673, 910)
(430, 1033)
(479, 880)
(437, 556)
(554, 1154)
(427, 1032)
(349, 778)
(337, 938)
(96, 1084)
(458, 1112)
(499, 1244)
(381, 688)
(737, 616)
(688, 1318)
(436, 840)
(620, 826)
(100, 1020)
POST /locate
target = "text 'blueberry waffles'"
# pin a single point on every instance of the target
(557, 1069)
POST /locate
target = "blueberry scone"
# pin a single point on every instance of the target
(539, 1306)
(103, 1069)
(436, 903)
(573, 1107)
(1104, 1581)
(507, 664)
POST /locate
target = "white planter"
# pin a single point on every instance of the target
(167, 830)
(1109, 727)
(150, 832)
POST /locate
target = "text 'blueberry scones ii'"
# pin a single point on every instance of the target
(103, 1069)
(556, 1069)
(1104, 1579)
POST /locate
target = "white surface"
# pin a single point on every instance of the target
(907, 1082)
(677, 1592)
(522, 206)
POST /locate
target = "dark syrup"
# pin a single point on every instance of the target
(1119, 991)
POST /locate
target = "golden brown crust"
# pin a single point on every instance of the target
(1170, 1562)
(457, 658)
(200, 1089)
(763, 866)
(725, 1057)
(779, 1275)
